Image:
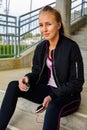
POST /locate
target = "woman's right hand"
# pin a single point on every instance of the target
(23, 80)
(46, 101)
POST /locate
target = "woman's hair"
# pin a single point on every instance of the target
(57, 15)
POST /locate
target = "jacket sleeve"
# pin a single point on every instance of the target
(75, 78)
(36, 67)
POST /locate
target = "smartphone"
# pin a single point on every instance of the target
(40, 108)
(27, 86)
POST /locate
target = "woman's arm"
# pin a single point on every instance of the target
(76, 74)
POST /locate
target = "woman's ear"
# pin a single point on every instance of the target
(59, 25)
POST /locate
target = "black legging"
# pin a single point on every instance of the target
(57, 108)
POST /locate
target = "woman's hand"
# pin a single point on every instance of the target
(23, 80)
(46, 101)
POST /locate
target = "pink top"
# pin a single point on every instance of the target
(51, 81)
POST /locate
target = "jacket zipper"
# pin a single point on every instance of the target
(41, 69)
(76, 65)
(54, 71)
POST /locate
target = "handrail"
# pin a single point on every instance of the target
(78, 11)
(53, 3)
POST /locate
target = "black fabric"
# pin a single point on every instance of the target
(35, 94)
(65, 57)
(58, 108)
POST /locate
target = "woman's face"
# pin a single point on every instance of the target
(48, 26)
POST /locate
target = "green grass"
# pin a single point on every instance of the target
(7, 51)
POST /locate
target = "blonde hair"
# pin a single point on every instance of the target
(57, 15)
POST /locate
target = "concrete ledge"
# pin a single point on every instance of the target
(75, 26)
(25, 60)
(11, 128)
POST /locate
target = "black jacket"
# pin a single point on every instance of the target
(67, 66)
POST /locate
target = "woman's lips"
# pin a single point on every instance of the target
(46, 34)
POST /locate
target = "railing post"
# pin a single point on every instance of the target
(82, 8)
(15, 37)
(19, 37)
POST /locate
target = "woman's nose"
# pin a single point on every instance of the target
(44, 28)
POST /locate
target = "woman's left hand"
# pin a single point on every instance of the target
(46, 101)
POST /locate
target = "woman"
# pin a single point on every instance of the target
(57, 75)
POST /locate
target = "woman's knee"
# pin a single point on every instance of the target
(51, 106)
(13, 85)
(51, 117)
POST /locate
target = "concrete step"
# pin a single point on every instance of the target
(25, 118)
(77, 120)
(13, 128)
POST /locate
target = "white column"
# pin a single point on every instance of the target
(64, 7)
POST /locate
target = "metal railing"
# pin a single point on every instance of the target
(78, 9)
(18, 35)
(8, 34)
(29, 33)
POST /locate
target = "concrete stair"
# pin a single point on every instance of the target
(77, 120)
(25, 112)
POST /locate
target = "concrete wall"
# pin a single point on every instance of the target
(75, 26)
(64, 7)
(25, 60)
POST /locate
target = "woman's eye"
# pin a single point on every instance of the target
(48, 24)
(40, 25)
